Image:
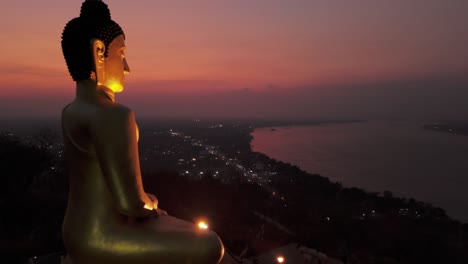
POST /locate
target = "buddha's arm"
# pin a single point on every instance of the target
(115, 140)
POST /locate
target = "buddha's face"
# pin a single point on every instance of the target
(114, 66)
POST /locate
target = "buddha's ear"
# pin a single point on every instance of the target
(98, 49)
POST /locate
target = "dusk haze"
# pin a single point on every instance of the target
(254, 59)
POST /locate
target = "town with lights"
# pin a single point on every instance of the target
(264, 210)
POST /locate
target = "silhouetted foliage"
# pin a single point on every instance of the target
(31, 202)
(20, 164)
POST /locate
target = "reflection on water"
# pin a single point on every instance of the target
(377, 156)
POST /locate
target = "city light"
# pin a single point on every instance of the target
(280, 259)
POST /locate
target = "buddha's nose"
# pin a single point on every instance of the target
(126, 68)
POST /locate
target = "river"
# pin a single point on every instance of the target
(397, 156)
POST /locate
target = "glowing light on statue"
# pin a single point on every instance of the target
(115, 85)
(202, 225)
(280, 259)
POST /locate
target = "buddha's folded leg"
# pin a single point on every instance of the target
(183, 238)
(159, 240)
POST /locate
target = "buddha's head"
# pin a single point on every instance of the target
(94, 47)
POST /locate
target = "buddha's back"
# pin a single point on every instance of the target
(89, 202)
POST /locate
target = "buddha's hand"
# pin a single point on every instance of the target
(154, 200)
(155, 205)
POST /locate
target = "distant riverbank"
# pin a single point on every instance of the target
(451, 128)
(288, 123)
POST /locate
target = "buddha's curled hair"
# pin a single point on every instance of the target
(94, 22)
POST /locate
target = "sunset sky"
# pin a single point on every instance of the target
(253, 58)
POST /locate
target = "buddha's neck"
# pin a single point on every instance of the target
(89, 88)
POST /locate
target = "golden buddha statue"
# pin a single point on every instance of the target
(109, 216)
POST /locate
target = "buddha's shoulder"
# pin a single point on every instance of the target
(113, 113)
(97, 107)
(114, 109)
